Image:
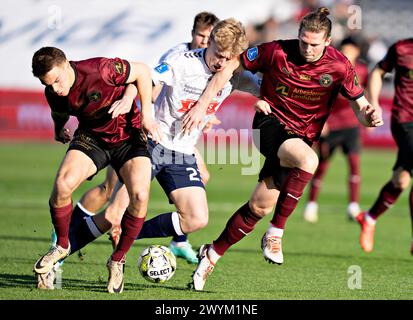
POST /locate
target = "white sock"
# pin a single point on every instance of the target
(212, 254)
(273, 231)
(176, 224)
(85, 210)
(180, 244)
(370, 220)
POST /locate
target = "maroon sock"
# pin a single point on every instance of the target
(131, 226)
(290, 193)
(238, 226)
(316, 182)
(61, 222)
(388, 195)
(354, 178)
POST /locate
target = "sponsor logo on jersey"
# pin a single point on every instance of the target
(326, 80)
(282, 89)
(94, 96)
(189, 103)
(252, 53)
(193, 54)
(305, 77)
(161, 68)
(118, 67)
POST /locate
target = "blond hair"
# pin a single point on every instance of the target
(317, 21)
(229, 35)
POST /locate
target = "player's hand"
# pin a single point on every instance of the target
(193, 118)
(263, 107)
(373, 116)
(63, 136)
(214, 121)
(153, 128)
(121, 106)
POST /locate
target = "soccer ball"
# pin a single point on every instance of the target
(157, 264)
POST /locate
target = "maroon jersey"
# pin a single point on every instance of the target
(99, 82)
(300, 93)
(400, 57)
(342, 115)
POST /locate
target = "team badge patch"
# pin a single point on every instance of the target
(252, 53)
(94, 96)
(118, 67)
(162, 68)
(326, 80)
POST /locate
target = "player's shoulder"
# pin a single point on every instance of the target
(403, 42)
(403, 46)
(185, 57)
(337, 57)
(283, 45)
(182, 47)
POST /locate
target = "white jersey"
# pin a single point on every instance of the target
(182, 47)
(185, 75)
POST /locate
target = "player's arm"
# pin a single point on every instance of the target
(156, 90)
(375, 84)
(61, 133)
(124, 105)
(195, 116)
(141, 75)
(368, 115)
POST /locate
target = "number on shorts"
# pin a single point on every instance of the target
(193, 174)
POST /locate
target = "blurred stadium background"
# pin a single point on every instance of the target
(142, 30)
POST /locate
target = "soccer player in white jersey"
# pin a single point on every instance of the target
(184, 76)
(95, 198)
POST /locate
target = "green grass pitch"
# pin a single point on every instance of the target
(318, 258)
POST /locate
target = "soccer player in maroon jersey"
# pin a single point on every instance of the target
(398, 57)
(87, 89)
(301, 79)
(95, 198)
(340, 131)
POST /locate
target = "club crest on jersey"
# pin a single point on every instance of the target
(118, 67)
(326, 80)
(252, 53)
(162, 68)
(356, 80)
(94, 96)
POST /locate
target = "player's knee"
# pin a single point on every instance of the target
(196, 225)
(259, 209)
(309, 162)
(402, 181)
(195, 221)
(140, 197)
(64, 186)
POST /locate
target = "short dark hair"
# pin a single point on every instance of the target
(45, 59)
(204, 19)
